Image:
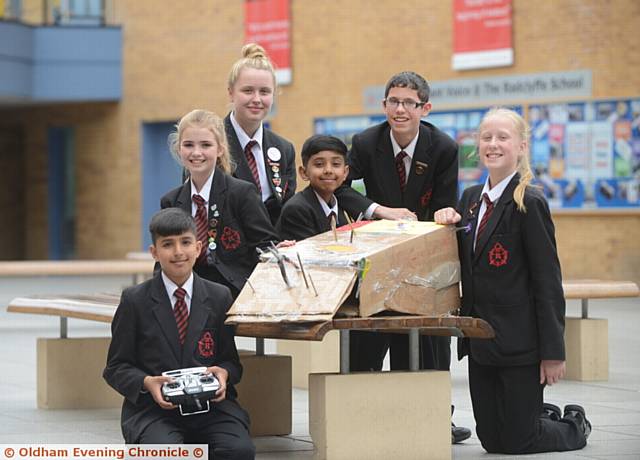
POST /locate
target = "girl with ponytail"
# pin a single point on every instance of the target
(262, 157)
(511, 279)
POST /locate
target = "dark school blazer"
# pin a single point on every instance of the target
(242, 225)
(145, 342)
(433, 178)
(285, 166)
(302, 217)
(512, 280)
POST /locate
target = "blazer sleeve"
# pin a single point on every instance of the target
(122, 372)
(295, 223)
(351, 200)
(546, 277)
(445, 187)
(290, 173)
(256, 224)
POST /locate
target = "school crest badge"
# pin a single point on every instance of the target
(424, 199)
(230, 239)
(498, 255)
(206, 345)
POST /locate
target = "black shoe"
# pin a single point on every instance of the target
(551, 411)
(576, 413)
(459, 433)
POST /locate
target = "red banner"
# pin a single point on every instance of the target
(482, 34)
(267, 22)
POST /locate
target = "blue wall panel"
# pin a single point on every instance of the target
(60, 64)
(16, 60)
(160, 172)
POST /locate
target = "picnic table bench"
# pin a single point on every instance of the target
(138, 269)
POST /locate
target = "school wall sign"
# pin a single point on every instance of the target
(499, 89)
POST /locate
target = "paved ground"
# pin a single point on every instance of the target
(613, 407)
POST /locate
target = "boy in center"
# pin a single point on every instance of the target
(309, 212)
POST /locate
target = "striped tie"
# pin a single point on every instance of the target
(181, 313)
(402, 172)
(201, 225)
(251, 160)
(485, 216)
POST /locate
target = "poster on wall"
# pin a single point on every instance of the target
(481, 34)
(267, 22)
(587, 154)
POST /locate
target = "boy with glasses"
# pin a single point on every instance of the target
(410, 170)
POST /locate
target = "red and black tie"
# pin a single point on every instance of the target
(251, 160)
(181, 313)
(402, 172)
(201, 224)
(485, 217)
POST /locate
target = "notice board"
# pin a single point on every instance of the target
(585, 155)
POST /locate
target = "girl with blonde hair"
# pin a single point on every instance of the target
(262, 157)
(511, 278)
(230, 217)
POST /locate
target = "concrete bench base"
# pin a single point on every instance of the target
(379, 415)
(587, 349)
(265, 392)
(311, 357)
(70, 377)
(70, 374)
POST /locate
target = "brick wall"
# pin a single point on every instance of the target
(176, 57)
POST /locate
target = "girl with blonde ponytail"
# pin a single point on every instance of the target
(262, 157)
(511, 278)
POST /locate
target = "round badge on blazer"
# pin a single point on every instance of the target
(274, 154)
(279, 189)
(212, 246)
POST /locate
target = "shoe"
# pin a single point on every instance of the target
(576, 413)
(551, 411)
(459, 433)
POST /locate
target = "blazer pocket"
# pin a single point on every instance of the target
(515, 329)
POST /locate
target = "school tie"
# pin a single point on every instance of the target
(485, 217)
(201, 225)
(251, 160)
(402, 172)
(330, 216)
(181, 313)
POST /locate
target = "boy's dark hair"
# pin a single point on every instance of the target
(319, 143)
(409, 80)
(171, 222)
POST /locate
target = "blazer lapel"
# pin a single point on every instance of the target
(269, 164)
(237, 153)
(419, 171)
(318, 212)
(218, 194)
(198, 315)
(471, 218)
(496, 215)
(386, 168)
(184, 197)
(164, 315)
